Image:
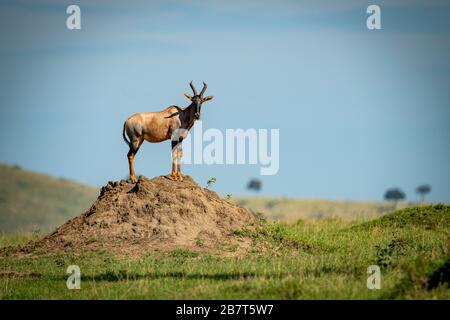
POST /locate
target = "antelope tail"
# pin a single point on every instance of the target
(125, 137)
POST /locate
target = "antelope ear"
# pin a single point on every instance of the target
(205, 99)
(188, 96)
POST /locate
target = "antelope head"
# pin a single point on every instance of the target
(197, 99)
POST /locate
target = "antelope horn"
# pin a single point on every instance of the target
(203, 90)
(193, 89)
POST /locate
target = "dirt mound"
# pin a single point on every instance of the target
(153, 214)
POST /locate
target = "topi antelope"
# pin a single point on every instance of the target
(171, 123)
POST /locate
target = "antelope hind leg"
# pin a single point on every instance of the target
(131, 165)
(134, 148)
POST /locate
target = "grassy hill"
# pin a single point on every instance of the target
(30, 201)
(285, 209)
(324, 259)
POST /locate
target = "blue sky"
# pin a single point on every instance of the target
(359, 111)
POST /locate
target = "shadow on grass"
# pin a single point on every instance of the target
(221, 276)
(123, 275)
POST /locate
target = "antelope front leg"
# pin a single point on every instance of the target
(179, 155)
(174, 161)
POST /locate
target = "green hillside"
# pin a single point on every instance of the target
(31, 201)
(306, 259)
(291, 209)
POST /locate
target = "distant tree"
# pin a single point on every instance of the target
(395, 195)
(423, 190)
(254, 184)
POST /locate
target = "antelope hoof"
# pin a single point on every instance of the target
(180, 177)
(133, 179)
(174, 177)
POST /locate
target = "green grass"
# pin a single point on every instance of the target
(34, 202)
(324, 259)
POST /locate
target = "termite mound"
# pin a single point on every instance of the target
(153, 214)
